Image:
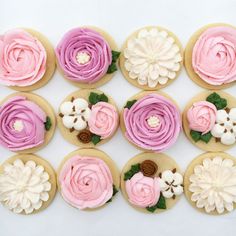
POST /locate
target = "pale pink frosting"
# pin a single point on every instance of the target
(22, 59)
(143, 191)
(104, 119)
(86, 182)
(214, 55)
(202, 116)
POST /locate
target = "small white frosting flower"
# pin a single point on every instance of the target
(75, 114)
(225, 127)
(171, 184)
(24, 187)
(152, 57)
(213, 185)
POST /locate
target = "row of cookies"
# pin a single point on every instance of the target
(151, 57)
(151, 121)
(88, 179)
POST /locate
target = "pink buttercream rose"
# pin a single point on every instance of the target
(143, 191)
(22, 59)
(86, 182)
(202, 116)
(103, 120)
(214, 55)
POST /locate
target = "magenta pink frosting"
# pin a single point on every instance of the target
(22, 59)
(202, 116)
(214, 55)
(86, 182)
(157, 138)
(143, 191)
(31, 117)
(103, 120)
(87, 41)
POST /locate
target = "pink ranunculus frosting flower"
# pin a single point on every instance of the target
(214, 55)
(21, 124)
(83, 55)
(22, 59)
(103, 120)
(86, 182)
(152, 123)
(202, 116)
(143, 191)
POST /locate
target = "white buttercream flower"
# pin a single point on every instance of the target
(213, 185)
(225, 127)
(152, 57)
(24, 187)
(171, 183)
(75, 114)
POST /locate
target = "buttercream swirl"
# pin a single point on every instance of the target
(24, 187)
(139, 131)
(22, 59)
(213, 185)
(21, 124)
(84, 55)
(86, 182)
(152, 57)
(214, 55)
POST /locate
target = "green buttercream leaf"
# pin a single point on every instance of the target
(206, 137)
(115, 191)
(48, 123)
(196, 136)
(161, 204)
(129, 104)
(95, 139)
(112, 68)
(133, 170)
(219, 102)
(95, 98)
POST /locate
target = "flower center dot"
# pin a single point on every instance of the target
(18, 125)
(153, 121)
(82, 58)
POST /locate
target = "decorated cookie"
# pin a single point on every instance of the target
(27, 122)
(210, 183)
(210, 56)
(88, 118)
(209, 121)
(27, 184)
(87, 57)
(151, 182)
(27, 59)
(151, 58)
(88, 179)
(151, 121)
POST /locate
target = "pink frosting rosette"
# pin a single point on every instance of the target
(103, 120)
(86, 182)
(22, 59)
(143, 191)
(84, 55)
(202, 116)
(214, 55)
(21, 124)
(152, 123)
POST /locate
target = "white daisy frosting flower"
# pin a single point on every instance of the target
(75, 114)
(152, 57)
(171, 183)
(225, 126)
(213, 185)
(24, 187)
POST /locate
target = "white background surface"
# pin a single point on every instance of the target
(119, 18)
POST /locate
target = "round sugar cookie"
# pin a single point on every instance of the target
(47, 168)
(96, 154)
(145, 86)
(162, 163)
